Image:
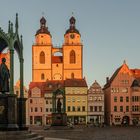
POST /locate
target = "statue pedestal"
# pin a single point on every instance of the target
(8, 112)
(21, 116)
(59, 119)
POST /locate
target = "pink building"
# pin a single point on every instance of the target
(122, 102)
(95, 104)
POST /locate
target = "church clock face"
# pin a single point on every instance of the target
(72, 36)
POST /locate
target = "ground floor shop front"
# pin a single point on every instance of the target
(77, 119)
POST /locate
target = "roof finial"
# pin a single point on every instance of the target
(124, 62)
(16, 24)
(72, 13)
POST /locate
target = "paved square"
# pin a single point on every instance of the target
(92, 133)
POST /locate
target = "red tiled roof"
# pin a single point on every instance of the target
(57, 59)
(136, 72)
(75, 83)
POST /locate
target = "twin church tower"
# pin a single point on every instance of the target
(54, 63)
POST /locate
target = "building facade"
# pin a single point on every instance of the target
(76, 100)
(95, 104)
(52, 68)
(120, 101)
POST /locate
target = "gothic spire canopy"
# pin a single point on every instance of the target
(72, 28)
(43, 29)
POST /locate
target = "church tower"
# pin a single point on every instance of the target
(41, 54)
(72, 52)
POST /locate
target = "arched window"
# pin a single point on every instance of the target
(42, 76)
(72, 57)
(42, 57)
(72, 75)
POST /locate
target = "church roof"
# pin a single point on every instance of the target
(43, 29)
(72, 28)
(57, 59)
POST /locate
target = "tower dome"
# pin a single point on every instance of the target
(43, 28)
(72, 28)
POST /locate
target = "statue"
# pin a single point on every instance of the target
(4, 77)
(59, 106)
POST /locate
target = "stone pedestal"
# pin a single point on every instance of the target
(59, 119)
(8, 112)
(21, 113)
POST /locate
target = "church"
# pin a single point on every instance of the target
(55, 63)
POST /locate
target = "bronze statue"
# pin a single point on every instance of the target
(59, 106)
(4, 77)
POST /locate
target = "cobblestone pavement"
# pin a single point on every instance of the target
(92, 133)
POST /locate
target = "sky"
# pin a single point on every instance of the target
(110, 31)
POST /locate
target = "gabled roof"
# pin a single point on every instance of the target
(136, 72)
(116, 73)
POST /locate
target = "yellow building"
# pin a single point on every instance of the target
(76, 100)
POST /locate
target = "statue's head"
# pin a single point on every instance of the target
(3, 60)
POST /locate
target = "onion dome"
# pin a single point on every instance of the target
(43, 29)
(72, 28)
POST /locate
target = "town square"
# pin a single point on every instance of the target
(69, 70)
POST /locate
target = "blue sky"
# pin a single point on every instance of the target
(110, 30)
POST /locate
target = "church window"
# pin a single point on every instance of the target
(42, 76)
(42, 57)
(72, 57)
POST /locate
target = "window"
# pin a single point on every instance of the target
(83, 108)
(115, 108)
(115, 99)
(68, 108)
(95, 108)
(73, 99)
(73, 108)
(100, 108)
(47, 110)
(121, 108)
(127, 108)
(40, 109)
(91, 108)
(46, 101)
(35, 109)
(50, 109)
(121, 99)
(127, 99)
(78, 108)
(72, 57)
(42, 76)
(90, 98)
(31, 109)
(42, 57)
